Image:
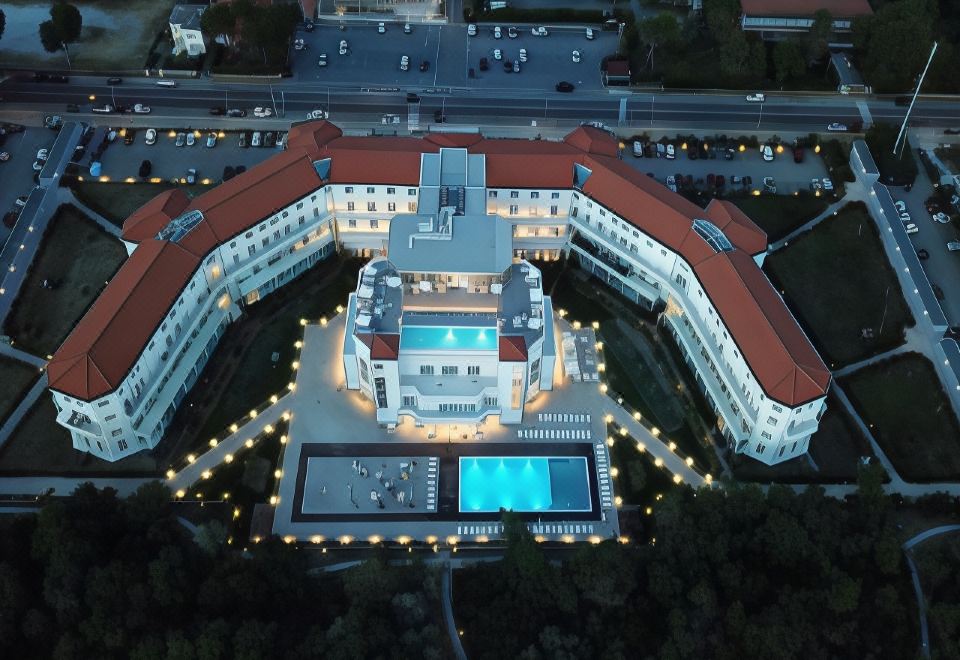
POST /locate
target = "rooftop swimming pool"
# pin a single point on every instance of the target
(524, 484)
(448, 338)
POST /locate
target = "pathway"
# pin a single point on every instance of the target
(895, 478)
(67, 197)
(913, 344)
(22, 356)
(915, 576)
(446, 589)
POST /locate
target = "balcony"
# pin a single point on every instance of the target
(648, 290)
(802, 429)
(79, 422)
(448, 388)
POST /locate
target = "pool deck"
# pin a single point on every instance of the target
(325, 415)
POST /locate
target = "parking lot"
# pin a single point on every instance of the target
(374, 59)
(16, 175)
(789, 176)
(121, 161)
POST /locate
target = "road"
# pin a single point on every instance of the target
(474, 106)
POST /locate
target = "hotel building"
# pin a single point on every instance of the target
(448, 321)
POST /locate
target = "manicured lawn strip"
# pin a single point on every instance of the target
(116, 201)
(837, 280)
(41, 446)
(16, 378)
(78, 256)
(836, 449)
(778, 215)
(909, 414)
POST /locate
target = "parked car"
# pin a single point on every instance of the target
(483, 64)
(381, 28)
(770, 184)
(564, 86)
(923, 255)
(262, 112)
(590, 34)
(407, 29)
(269, 139)
(192, 176)
(211, 140)
(516, 66)
(900, 205)
(439, 117)
(299, 44)
(941, 217)
(146, 167)
(637, 149)
(836, 126)
(319, 113)
(671, 152)
(953, 246)
(424, 65)
(497, 55)
(672, 183)
(767, 152)
(242, 142)
(911, 228)
(181, 139)
(729, 153)
(512, 32)
(236, 112)
(523, 54)
(576, 56)
(141, 109)
(257, 139)
(21, 201)
(4, 156)
(472, 30)
(344, 47)
(42, 155)
(218, 111)
(827, 184)
(815, 184)
(114, 81)
(798, 154)
(129, 134)
(191, 139)
(322, 61)
(507, 66)
(539, 31)
(497, 34)
(756, 98)
(390, 119)
(404, 63)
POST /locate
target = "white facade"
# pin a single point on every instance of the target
(185, 30)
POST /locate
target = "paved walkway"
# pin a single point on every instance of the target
(22, 356)
(915, 576)
(446, 588)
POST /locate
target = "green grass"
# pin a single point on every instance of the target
(639, 480)
(41, 446)
(278, 316)
(836, 449)
(116, 201)
(16, 378)
(901, 399)
(778, 215)
(837, 280)
(79, 257)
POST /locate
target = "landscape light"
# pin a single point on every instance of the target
(614, 472)
(234, 428)
(191, 458)
(618, 501)
(677, 478)
(206, 474)
(249, 443)
(672, 445)
(641, 447)
(213, 442)
(689, 461)
(228, 458)
(273, 500)
(171, 474)
(658, 462)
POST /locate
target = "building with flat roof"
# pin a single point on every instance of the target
(451, 222)
(778, 19)
(185, 29)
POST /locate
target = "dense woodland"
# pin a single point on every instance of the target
(728, 573)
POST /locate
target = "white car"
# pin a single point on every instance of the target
(497, 33)
(767, 152)
(407, 29)
(523, 54)
(576, 56)
(151, 136)
(37, 165)
(900, 205)
(911, 228)
(262, 112)
(941, 217)
(318, 114)
(381, 28)
(905, 217)
(299, 44)
(141, 109)
(390, 119)
(472, 30)
(497, 54)
(953, 246)
(590, 34)
(827, 184)
(343, 46)
(256, 140)
(4, 156)
(322, 60)
(404, 63)
(837, 126)
(512, 32)
(42, 155)
(211, 140)
(672, 183)
(671, 152)
(539, 31)
(191, 139)
(756, 98)
(815, 184)
(637, 149)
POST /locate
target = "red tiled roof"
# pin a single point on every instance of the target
(778, 352)
(593, 141)
(618, 68)
(153, 216)
(837, 8)
(740, 229)
(385, 346)
(312, 136)
(513, 348)
(106, 342)
(453, 139)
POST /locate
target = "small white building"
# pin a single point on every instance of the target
(185, 30)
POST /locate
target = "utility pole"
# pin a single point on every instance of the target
(916, 92)
(760, 118)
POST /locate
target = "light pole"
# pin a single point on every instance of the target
(906, 117)
(760, 118)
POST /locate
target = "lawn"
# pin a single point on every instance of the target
(15, 379)
(41, 446)
(78, 257)
(115, 36)
(639, 480)
(116, 201)
(836, 449)
(838, 282)
(778, 215)
(901, 399)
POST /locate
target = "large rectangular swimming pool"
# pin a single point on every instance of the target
(448, 338)
(524, 484)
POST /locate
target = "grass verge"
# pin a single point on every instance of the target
(78, 257)
(16, 378)
(778, 215)
(117, 201)
(902, 401)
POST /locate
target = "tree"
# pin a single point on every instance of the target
(3, 23)
(661, 29)
(50, 37)
(788, 60)
(893, 44)
(219, 20)
(67, 20)
(818, 38)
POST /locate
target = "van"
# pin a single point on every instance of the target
(637, 149)
(166, 83)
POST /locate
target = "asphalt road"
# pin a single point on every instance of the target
(479, 106)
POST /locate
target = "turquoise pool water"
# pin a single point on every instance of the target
(524, 483)
(463, 339)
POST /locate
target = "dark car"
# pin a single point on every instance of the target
(218, 111)
(798, 154)
(114, 81)
(564, 86)
(439, 117)
(59, 79)
(146, 167)
(129, 136)
(412, 98)
(229, 172)
(424, 65)
(308, 25)
(922, 254)
(471, 73)
(747, 180)
(269, 140)
(236, 113)
(721, 181)
(508, 66)
(73, 107)
(483, 64)
(240, 169)
(729, 154)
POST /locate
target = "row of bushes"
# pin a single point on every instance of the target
(559, 15)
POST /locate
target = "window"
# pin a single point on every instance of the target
(371, 190)
(391, 206)
(364, 372)
(116, 432)
(514, 209)
(262, 227)
(772, 421)
(122, 444)
(249, 234)
(492, 193)
(794, 447)
(516, 391)
(409, 401)
(473, 370)
(274, 221)
(426, 369)
(535, 371)
(371, 206)
(534, 195)
(251, 250)
(489, 400)
(348, 190)
(233, 244)
(777, 408)
(109, 418)
(554, 195)
(236, 259)
(411, 207)
(681, 280)
(781, 451)
(378, 366)
(391, 191)
(265, 242)
(286, 228)
(299, 206)
(603, 214)
(352, 223)
(350, 206)
(449, 370)
(663, 253)
(514, 194)
(766, 435)
(553, 210)
(411, 192)
(374, 223)
(761, 448)
(276, 235)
